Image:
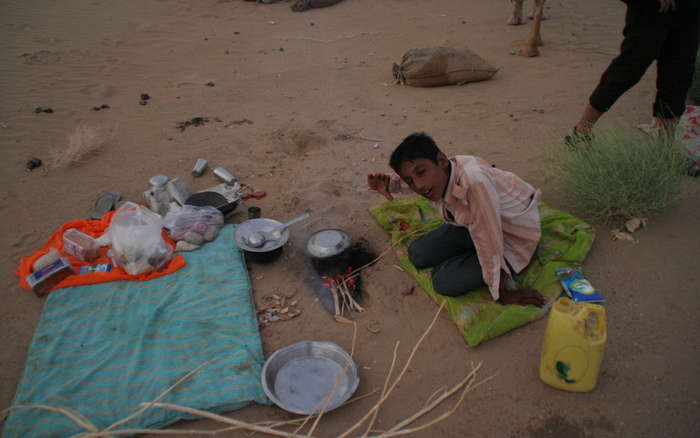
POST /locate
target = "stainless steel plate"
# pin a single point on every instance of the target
(299, 378)
(244, 229)
(328, 243)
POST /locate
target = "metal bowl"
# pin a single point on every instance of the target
(248, 227)
(328, 243)
(299, 378)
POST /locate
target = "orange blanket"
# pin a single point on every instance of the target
(94, 228)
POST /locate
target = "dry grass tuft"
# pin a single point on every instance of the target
(621, 174)
(85, 142)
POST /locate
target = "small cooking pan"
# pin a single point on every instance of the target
(214, 199)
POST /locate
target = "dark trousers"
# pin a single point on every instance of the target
(671, 39)
(450, 251)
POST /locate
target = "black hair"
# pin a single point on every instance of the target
(416, 145)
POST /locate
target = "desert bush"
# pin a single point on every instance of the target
(85, 141)
(621, 174)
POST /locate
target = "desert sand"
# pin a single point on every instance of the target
(296, 97)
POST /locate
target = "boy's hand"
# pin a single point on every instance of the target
(380, 183)
(522, 297)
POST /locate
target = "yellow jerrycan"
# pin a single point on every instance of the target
(573, 346)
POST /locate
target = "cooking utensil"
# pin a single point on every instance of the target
(257, 239)
(270, 250)
(299, 378)
(326, 244)
(214, 199)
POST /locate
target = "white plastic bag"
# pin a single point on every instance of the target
(136, 240)
(193, 224)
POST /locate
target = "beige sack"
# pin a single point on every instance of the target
(437, 66)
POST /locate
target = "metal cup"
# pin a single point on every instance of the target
(224, 175)
(199, 167)
(253, 212)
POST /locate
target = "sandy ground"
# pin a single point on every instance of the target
(294, 93)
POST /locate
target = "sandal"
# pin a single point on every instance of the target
(575, 140)
(105, 202)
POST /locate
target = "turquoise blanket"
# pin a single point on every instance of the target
(100, 350)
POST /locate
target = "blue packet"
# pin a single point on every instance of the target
(102, 267)
(577, 287)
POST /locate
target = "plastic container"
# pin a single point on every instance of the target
(80, 245)
(157, 195)
(46, 278)
(573, 347)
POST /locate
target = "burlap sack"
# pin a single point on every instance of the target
(303, 5)
(436, 66)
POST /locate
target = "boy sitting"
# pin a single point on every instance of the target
(492, 222)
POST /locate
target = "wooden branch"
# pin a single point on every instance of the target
(77, 418)
(398, 378)
(225, 420)
(386, 385)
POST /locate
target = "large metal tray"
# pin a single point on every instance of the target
(300, 377)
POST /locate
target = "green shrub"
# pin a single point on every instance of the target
(620, 175)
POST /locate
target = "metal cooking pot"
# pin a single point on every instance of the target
(270, 250)
(328, 247)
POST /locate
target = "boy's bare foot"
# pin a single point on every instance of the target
(380, 183)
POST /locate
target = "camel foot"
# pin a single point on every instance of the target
(515, 21)
(529, 52)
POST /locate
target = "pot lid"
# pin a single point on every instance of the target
(328, 243)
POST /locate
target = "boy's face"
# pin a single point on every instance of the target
(425, 177)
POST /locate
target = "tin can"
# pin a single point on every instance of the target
(253, 212)
(178, 191)
(199, 167)
(224, 175)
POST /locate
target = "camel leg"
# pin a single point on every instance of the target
(535, 39)
(517, 17)
(545, 13)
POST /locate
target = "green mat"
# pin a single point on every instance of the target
(565, 242)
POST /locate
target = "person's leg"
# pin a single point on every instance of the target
(458, 275)
(644, 35)
(439, 245)
(676, 64)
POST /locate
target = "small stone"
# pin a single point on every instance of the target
(48, 110)
(312, 24)
(281, 49)
(33, 163)
(143, 102)
(145, 96)
(96, 108)
(105, 106)
(236, 33)
(464, 21)
(38, 110)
